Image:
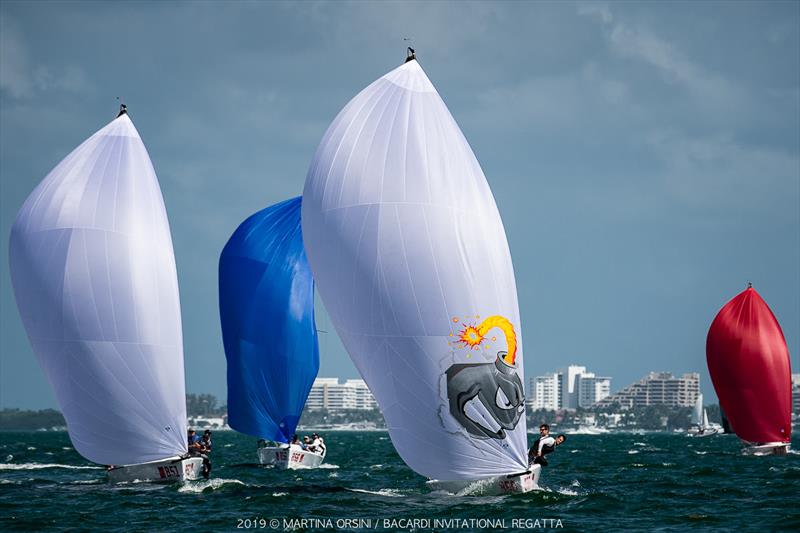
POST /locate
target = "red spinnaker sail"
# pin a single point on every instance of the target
(749, 365)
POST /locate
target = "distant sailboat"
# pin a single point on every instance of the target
(411, 259)
(749, 365)
(95, 282)
(700, 426)
(266, 297)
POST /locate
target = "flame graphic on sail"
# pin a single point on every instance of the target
(472, 336)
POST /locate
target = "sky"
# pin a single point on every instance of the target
(644, 156)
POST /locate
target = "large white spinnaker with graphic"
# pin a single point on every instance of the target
(96, 286)
(411, 260)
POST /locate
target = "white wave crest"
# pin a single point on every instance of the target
(213, 484)
(567, 492)
(41, 466)
(391, 493)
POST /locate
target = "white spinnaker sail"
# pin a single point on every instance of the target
(697, 413)
(95, 282)
(412, 263)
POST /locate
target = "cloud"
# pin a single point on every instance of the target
(14, 70)
(21, 78)
(557, 102)
(717, 172)
(597, 10)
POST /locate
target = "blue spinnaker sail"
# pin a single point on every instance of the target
(266, 304)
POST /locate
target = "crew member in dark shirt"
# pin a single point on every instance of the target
(545, 444)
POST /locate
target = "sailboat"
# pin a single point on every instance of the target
(700, 426)
(266, 300)
(95, 282)
(750, 368)
(411, 261)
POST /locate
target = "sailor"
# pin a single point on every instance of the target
(307, 443)
(196, 449)
(194, 442)
(318, 444)
(205, 449)
(545, 444)
(205, 442)
(296, 442)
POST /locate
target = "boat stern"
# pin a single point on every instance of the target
(509, 484)
(769, 448)
(171, 470)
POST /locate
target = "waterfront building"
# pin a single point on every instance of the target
(568, 388)
(328, 393)
(657, 388)
(546, 392)
(592, 389)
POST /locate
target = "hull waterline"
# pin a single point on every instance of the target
(289, 458)
(172, 470)
(510, 484)
(769, 448)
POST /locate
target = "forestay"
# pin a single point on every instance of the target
(95, 282)
(411, 260)
(266, 297)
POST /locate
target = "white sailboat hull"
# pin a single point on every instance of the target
(703, 432)
(289, 458)
(769, 448)
(511, 484)
(169, 470)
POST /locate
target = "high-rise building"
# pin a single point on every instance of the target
(569, 385)
(328, 393)
(796, 394)
(546, 392)
(592, 389)
(657, 388)
(568, 388)
(322, 389)
(362, 396)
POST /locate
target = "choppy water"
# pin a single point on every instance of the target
(651, 482)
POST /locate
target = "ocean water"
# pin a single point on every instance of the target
(630, 482)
